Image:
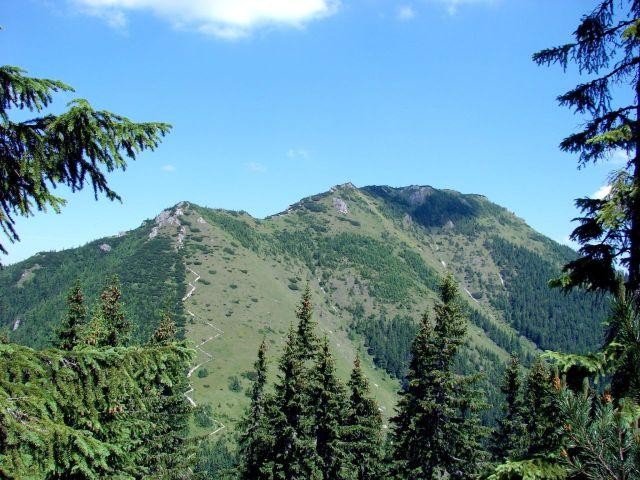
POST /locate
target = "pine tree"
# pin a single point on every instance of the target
(541, 406)
(329, 406)
(363, 432)
(117, 327)
(256, 439)
(437, 429)
(70, 332)
(606, 49)
(307, 340)
(509, 439)
(294, 454)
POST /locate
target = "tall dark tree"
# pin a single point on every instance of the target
(256, 439)
(294, 453)
(606, 47)
(306, 338)
(72, 149)
(363, 432)
(541, 395)
(117, 327)
(437, 431)
(166, 331)
(329, 409)
(71, 331)
(509, 439)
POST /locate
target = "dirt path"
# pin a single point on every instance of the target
(216, 333)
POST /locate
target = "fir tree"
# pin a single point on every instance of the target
(437, 429)
(363, 432)
(306, 339)
(294, 453)
(117, 327)
(74, 148)
(256, 441)
(166, 331)
(605, 48)
(70, 332)
(329, 400)
(541, 406)
(509, 439)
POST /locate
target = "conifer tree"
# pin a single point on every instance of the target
(73, 148)
(437, 430)
(70, 332)
(117, 326)
(509, 440)
(605, 48)
(363, 432)
(329, 400)
(542, 410)
(306, 338)
(256, 440)
(294, 453)
(166, 331)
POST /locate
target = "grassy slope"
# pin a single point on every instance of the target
(386, 253)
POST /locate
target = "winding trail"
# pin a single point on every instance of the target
(217, 332)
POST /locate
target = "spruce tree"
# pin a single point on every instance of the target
(166, 331)
(363, 432)
(329, 400)
(294, 453)
(606, 49)
(74, 148)
(306, 338)
(509, 439)
(70, 332)
(541, 393)
(117, 326)
(256, 441)
(437, 429)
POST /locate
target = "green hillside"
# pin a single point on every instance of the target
(372, 257)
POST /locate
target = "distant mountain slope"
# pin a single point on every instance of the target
(373, 257)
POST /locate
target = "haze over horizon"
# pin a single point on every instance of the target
(272, 105)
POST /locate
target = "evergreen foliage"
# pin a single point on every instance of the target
(541, 395)
(329, 407)
(255, 441)
(72, 149)
(605, 48)
(600, 441)
(363, 432)
(72, 328)
(509, 439)
(294, 454)
(116, 326)
(437, 431)
(307, 342)
(89, 413)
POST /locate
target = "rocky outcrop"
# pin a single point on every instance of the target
(105, 247)
(340, 205)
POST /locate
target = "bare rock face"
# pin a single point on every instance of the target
(182, 233)
(340, 205)
(419, 194)
(407, 221)
(105, 247)
(16, 324)
(449, 225)
(201, 221)
(153, 233)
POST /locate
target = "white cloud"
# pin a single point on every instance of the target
(619, 157)
(602, 192)
(406, 13)
(299, 153)
(168, 168)
(452, 6)
(256, 167)
(228, 19)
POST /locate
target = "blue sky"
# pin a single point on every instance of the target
(275, 100)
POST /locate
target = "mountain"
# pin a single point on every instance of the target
(372, 256)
